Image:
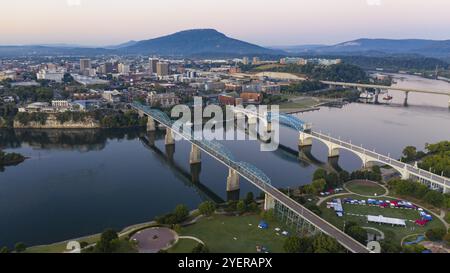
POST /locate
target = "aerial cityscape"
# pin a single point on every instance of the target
(224, 127)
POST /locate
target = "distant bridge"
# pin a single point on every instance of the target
(274, 198)
(306, 136)
(359, 86)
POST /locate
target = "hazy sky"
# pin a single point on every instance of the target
(265, 22)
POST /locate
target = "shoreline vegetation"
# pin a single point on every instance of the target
(10, 159)
(98, 119)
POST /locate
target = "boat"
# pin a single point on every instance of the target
(388, 97)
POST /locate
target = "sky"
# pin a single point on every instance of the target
(263, 22)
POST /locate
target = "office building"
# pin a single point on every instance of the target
(162, 69)
(85, 64)
(153, 65)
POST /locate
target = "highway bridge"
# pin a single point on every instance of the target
(359, 86)
(274, 197)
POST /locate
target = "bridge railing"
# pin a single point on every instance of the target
(384, 158)
(212, 147)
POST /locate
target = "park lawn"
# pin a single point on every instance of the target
(393, 234)
(218, 233)
(183, 246)
(61, 246)
(365, 188)
(298, 105)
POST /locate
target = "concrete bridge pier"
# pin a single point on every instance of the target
(232, 180)
(195, 156)
(151, 124)
(151, 136)
(195, 172)
(269, 202)
(405, 102)
(169, 137)
(141, 114)
(304, 140)
(333, 151)
(449, 102)
(170, 151)
(233, 195)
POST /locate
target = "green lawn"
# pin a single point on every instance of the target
(183, 246)
(365, 188)
(298, 105)
(235, 234)
(61, 246)
(394, 234)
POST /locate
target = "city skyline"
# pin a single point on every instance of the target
(284, 22)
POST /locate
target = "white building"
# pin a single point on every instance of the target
(60, 104)
(164, 100)
(112, 96)
(123, 68)
(51, 75)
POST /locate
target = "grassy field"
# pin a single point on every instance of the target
(394, 234)
(231, 234)
(183, 246)
(61, 246)
(298, 104)
(365, 188)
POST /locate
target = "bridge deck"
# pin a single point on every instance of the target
(443, 181)
(261, 182)
(404, 89)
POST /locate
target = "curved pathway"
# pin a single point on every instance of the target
(191, 238)
(377, 230)
(368, 196)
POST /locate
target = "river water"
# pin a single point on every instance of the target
(79, 182)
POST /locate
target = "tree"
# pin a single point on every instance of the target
(292, 244)
(241, 207)
(4, 250)
(434, 198)
(435, 234)
(356, 232)
(20, 247)
(268, 215)
(390, 247)
(344, 176)
(325, 244)
(200, 248)
(320, 174)
(318, 185)
(447, 238)
(207, 208)
(409, 153)
(249, 198)
(181, 212)
(332, 180)
(106, 243)
(67, 78)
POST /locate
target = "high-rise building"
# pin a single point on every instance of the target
(106, 68)
(256, 60)
(123, 68)
(153, 65)
(85, 64)
(162, 69)
(245, 60)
